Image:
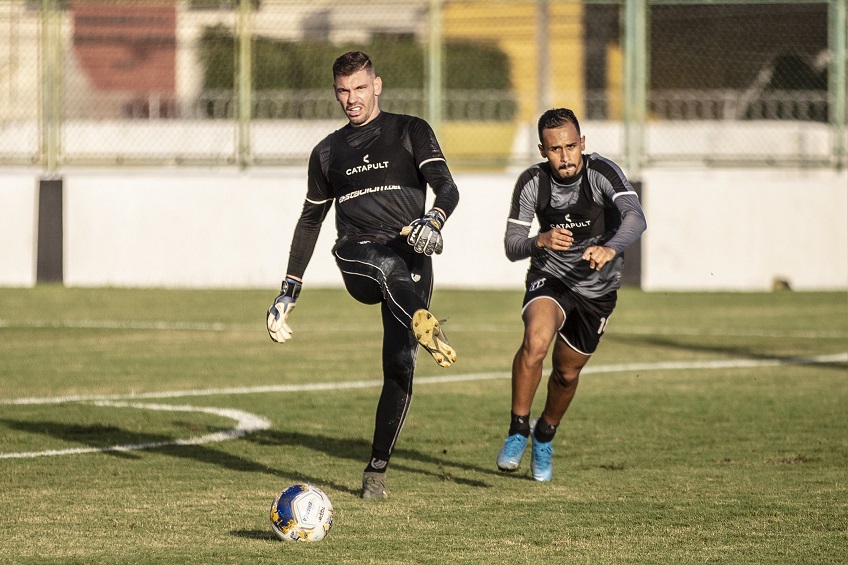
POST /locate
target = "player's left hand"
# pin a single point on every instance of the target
(425, 233)
(598, 256)
(278, 313)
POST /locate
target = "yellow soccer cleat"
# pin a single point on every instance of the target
(429, 334)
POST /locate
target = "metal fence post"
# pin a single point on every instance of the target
(245, 82)
(434, 67)
(635, 83)
(839, 78)
(51, 87)
(543, 95)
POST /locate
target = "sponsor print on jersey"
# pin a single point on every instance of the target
(363, 191)
(569, 224)
(536, 285)
(368, 166)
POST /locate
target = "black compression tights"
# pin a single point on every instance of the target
(375, 273)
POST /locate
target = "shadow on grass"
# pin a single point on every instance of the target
(737, 350)
(102, 437)
(258, 535)
(360, 449)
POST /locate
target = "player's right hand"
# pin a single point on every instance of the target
(425, 233)
(557, 239)
(278, 329)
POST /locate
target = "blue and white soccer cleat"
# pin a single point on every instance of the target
(541, 457)
(511, 453)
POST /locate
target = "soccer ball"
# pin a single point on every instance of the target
(301, 513)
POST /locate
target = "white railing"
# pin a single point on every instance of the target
(488, 105)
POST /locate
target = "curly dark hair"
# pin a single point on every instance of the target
(556, 118)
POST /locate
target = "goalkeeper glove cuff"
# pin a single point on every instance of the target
(291, 288)
(278, 313)
(436, 217)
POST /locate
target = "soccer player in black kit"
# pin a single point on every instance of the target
(588, 214)
(376, 169)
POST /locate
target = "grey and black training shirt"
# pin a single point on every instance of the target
(599, 207)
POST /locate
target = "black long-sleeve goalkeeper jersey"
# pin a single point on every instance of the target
(377, 174)
(599, 207)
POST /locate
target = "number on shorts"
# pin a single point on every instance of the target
(603, 326)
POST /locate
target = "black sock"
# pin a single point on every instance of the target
(544, 432)
(378, 463)
(519, 424)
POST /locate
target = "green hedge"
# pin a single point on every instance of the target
(307, 65)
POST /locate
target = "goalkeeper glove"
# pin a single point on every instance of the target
(425, 233)
(278, 329)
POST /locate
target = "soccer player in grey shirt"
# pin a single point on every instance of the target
(588, 215)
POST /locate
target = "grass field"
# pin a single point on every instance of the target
(707, 428)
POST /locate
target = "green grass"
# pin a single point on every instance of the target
(672, 464)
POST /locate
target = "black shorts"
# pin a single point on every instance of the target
(585, 318)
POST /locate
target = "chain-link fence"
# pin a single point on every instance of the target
(248, 82)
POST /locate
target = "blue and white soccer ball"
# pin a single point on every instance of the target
(301, 513)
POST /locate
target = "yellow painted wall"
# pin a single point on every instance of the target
(512, 26)
(615, 74)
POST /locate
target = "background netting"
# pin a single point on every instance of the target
(249, 83)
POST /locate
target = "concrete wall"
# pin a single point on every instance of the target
(708, 229)
(18, 227)
(741, 229)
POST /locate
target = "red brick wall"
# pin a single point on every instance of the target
(126, 48)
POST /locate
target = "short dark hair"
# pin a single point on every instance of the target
(556, 118)
(351, 63)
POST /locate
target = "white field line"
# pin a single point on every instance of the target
(247, 423)
(127, 325)
(801, 334)
(249, 328)
(343, 385)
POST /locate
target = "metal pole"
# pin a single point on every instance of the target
(434, 67)
(51, 87)
(635, 83)
(839, 78)
(543, 83)
(244, 82)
